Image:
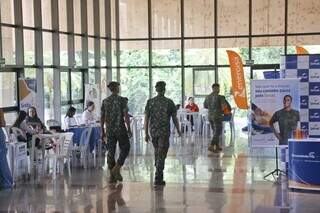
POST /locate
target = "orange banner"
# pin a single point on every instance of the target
(301, 51)
(238, 81)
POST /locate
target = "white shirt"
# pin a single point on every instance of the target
(70, 121)
(88, 117)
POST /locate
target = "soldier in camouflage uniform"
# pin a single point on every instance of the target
(115, 126)
(158, 112)
(214, 103)
(287, 118)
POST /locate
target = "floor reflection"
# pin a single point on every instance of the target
(197, 181)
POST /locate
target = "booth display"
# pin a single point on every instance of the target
(307, 69)
(304, 164)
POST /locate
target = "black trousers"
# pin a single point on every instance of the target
(124, 145)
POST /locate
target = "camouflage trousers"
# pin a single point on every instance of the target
(124, 145)
(161, 145)
(216, 126)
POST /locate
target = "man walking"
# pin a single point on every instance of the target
(215, 103)
(115, 126)
(158, 112)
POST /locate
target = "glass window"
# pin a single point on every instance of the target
(63, 15)
(166, 18)
(7, 11)
(233, 17)
(8, 45)
(113, 18)
(10, 117)
(303, 16)
(8, 92)
(203, 79)
(188, 82)
(90, 13)
(135, 86)
(78, 50)
(166, 52)
(310, 43)
(172, 77)
(30, 73)
(91, 51)
(27, 13)
(239, 45)
(64, 79)
(48, 94)
(102, 18)
(46, 14)
(92, 76)
(76, 85)
(114, 53)
(199, 52)
(77, 16)
(133, 18)
(268, 16)
(63, 50)
(103, 54)
(134, 53)
(267, 50)
(198, 23)
(114, 75)
(103, 83)
(29, 53)
(47, 48)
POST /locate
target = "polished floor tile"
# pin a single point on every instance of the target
(197, 181)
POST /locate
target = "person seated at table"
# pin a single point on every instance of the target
(21, 123)
(192, 107)
(34, 122)
(88, 116)
(69, 119)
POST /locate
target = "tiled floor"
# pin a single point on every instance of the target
(197, 181)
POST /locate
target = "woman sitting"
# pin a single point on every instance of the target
(192, 107)
(21, 123)
(34, 122)
(69, 119)
(88, 116)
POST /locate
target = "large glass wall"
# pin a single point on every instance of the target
(173, 40)
(62, 43)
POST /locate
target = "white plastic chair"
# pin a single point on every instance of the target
(16, 132)
(206, 126)
(83, 147)
(185, 124)
(63, 151)
(231, 124)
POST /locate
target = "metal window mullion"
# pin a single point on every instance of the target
(108, 41)
(39, 57)
(215, 5)
(150, 46)
(56, 59)
(182, 52)
(286, 27)
(84, 32)
(117, 8)
(19, 32)
(70, 29)
(96, 22)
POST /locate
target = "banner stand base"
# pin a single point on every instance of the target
(276, 172)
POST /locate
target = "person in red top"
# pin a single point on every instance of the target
(192, 107)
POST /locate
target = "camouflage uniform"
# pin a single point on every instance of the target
(112, 110)
(288, 121)
(159, 110)
(214, 104)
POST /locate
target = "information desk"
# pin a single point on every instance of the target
(304, 164)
